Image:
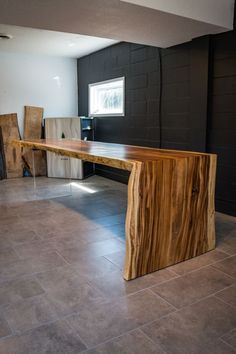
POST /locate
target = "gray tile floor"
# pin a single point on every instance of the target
(61, 285)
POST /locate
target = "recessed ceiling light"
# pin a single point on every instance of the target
(5, 36)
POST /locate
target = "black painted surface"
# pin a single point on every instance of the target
(3, 172)
(222, 119)
(198, 102)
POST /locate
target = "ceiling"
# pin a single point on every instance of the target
(161, 23)
(43, 42)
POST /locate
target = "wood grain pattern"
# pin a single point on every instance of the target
(10, 131)
(170, 214)
(58, 166)
(33, 119)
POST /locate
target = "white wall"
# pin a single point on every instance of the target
(43, 81)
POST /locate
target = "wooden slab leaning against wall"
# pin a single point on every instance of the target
(33, 119)
(11, 154)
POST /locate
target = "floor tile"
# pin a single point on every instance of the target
(117, 258)
(46, 261)
(193, 286)
(73, 299)
(94, 249)
(105, 321)
(227, 266)
(29, 313)
(62, 277)
(230, 338)
(15, 270)
(110, 220)
(134, 342)
(8, 255)
(16, 290)
(38, 286)
(228, 295)
(4, 328)
(194, 329)
(21, 236)
(113, 284)
(101, 233)
(198, 262)
(33, 249)
(90, 268)
(55, 338)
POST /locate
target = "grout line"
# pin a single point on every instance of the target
(163, 299)
(227, 287)
(221, 271)
(152, 341)
(226, 303)
(228, 344)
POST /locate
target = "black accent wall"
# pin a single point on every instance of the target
(183, 97)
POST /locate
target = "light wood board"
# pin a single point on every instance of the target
(10, 131)
(61, 166)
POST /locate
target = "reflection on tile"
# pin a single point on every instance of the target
(90, 268)
(117, 258)
(94, 249)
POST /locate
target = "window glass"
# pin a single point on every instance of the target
(106, 98)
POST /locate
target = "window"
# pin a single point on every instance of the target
(106, 98)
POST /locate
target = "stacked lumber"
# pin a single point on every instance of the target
(11, 162)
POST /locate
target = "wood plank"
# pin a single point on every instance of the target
(10, 131)
(170, 216)
(58, 166)
(33, 118)
(170, 213)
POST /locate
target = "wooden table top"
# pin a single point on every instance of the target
(115, 155)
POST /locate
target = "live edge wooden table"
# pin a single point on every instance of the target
(170, 214)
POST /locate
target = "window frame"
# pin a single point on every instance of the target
(122, 114)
